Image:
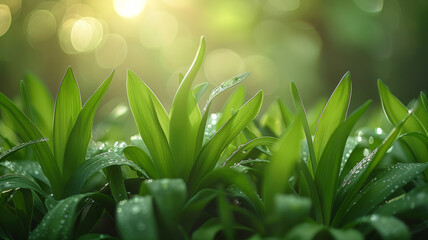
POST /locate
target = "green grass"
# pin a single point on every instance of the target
(288, 173)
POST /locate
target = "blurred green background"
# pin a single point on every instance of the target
(310, 42)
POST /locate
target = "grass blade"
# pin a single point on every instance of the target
(358, 176)
(333, 114)
(139, 157)
(414, 199)
(28, 132)
(211, 152)
(67, 108)
(386, 183)
(135, 218)
(327, 173)
(81, 133)
(13, 181)
(199, 90)
(6, 153)
(387, 227)
(185, 119)
(149, 123)
(116, 184)
(39, 103)
(234, 102)
(282, 163)
(286, 114)
(91, 166)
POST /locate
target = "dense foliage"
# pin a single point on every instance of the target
(193, 174)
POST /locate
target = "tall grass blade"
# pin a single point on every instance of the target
(282, 163)
(149, 123)
(185, 119)
(139, 157)
(80, 135)
(67, 107)
(333, 114)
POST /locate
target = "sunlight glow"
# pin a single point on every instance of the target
(5, 19)
(86, 34)
(129, 8)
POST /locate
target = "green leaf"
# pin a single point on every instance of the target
(245, 148)
(169, 196)
(135, 219)
(282, 163)
(226, 177)
(149, 117)
(77, 143)
(199, 90)
(358, 176)
(286, 114)
(38, 102)
(328, 171)
(28, 132)
(333, 114)
(234, 102)
(139, 157)
(395, 111)
(211, 152)
(93, 165)
(387, 227)
(298, 103)
(14, 181)
(185, 118)
(6, 153)
(414, 199)
(13, 226)
(59, 222)
(67, 108)
(23, 204)
(116, 184)
(96, 236)
(304, 231)
(381, 187)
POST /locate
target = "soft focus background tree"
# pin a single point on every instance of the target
(310, 42)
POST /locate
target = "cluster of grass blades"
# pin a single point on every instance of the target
(192, 174)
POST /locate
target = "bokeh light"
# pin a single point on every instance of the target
(86, 34)
(41, 25)
(221, 64)
(370, 6)
(5, 19)
(129, 8)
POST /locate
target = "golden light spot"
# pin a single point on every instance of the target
(41, 25)
(129, 8)
(86, 34)
(14, 5)
(221, 65)
(158, 29)
(112, 52)
(5, 19)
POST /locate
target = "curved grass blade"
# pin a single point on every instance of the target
(333, 114)
(13, 226)
(59, 222)
(414, 199)
(6, 153)
(245, 148)
(210, 153)
(149, 121)
(203, 129)
(91, 166)
(234, 102)
(327, 173)
(80, 135)
(208, 230)
(199, 90)
(139, 157)
(298, 103)
(67, 107)
(286, 114)
(13, 181)
(116, 184)
(28, 132)
(38, 102)
(381, 187)
(358, 176)
(282, 163)
(185, 118)
(135, 218)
